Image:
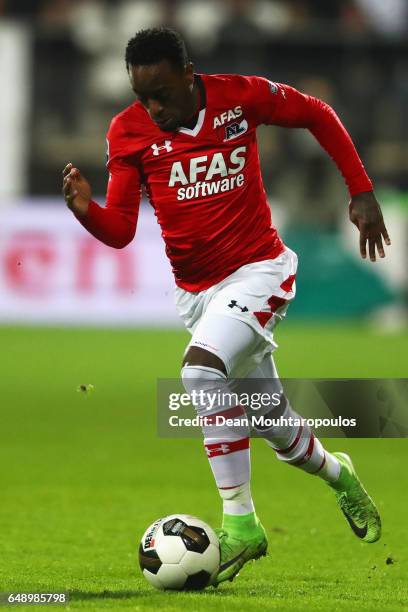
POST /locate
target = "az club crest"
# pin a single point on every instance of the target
(233, 130)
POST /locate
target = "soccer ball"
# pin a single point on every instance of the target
(179, 552)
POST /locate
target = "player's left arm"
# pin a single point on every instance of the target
(283, 105)
(365, 213)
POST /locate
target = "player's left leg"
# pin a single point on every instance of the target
(295, 445)
(298, 446)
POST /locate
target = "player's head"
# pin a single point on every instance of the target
(161, 75)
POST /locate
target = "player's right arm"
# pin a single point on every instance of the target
(114, 224)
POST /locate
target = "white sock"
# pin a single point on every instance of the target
(298, 446)
(331, 468)
(307, 453)
(227, 448)
(237, 500)
(230, 463)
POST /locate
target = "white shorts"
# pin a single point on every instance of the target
(257, 294)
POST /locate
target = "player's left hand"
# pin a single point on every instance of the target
(365, 213)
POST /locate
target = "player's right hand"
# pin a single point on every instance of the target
(76, 190)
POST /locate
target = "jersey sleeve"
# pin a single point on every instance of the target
(272, 103)
(115, 224)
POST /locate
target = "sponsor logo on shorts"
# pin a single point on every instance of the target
(234, 304)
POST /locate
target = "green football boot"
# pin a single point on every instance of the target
(238, 545)
(355, 503)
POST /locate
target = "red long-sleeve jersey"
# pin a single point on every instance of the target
(205, 183)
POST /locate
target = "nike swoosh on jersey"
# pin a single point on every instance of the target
(361, 532)
(228, 564)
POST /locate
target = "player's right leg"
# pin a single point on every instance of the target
(242, 536)
(230, 320)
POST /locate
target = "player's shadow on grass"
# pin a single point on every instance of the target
(83, 595)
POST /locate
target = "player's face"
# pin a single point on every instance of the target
(165, 92)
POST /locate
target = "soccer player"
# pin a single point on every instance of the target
(190, 139)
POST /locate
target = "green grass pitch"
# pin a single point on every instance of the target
(83, 475)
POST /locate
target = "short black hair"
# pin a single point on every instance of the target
(153, 45)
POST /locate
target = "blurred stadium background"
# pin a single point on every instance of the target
(84, 474)
(63, 78)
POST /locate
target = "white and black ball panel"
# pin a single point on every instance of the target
(193, 521)
(194, 537)
(170, 550)
(172, 576)
(149, 560)
(197, 581)
(153, 579)
(194, 562)
(212, 536)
